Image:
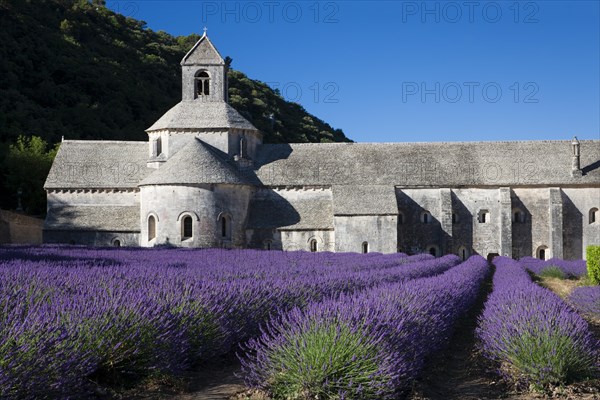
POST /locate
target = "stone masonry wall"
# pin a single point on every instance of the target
(16, 228)
(578, 232)
(379, 231)
(535, 231)
(170, 203)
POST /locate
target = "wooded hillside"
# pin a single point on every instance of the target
(77, 69)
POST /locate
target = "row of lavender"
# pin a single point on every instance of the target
(369, 345)
(69, 316)
(569, 268)
(535, 337)
(586, 300)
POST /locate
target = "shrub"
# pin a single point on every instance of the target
(593, 263)
(586, 300)
(324, 359)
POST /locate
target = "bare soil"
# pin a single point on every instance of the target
(562, 287)
(215, 380)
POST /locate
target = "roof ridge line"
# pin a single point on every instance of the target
(104, 141)
(482, 142)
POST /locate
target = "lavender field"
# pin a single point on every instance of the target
(536, 335)
(304, 325)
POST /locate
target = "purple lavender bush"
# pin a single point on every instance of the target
(72, 317)
(534, 335)
(555, 267)
(367, 345)
(586, 300)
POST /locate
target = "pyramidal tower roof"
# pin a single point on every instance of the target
(196, 163)
(202, 53)
(202, 115)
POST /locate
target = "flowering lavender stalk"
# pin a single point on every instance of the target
(532, 332)
(369, 345)
(570, 269)
(586, 301)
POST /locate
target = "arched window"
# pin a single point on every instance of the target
(187, 230)
(483, 217)
(313, 245)
(117, 242)
(225, 226)
(433, 251)
(463, 253)
(268, 244)
(400, 218)
(365, 247)
(454, 218)
(594, 215)
(243, 147)
(151, 228)
(426, 217)
(202, 83)
(542, 252)
(517, 215)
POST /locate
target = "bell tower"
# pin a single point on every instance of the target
(204, 73)
(203, 113)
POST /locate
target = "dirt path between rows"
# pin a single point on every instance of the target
(459, 371)
(217, 380)
(214, 384)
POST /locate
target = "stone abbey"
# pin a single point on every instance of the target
(205, 179)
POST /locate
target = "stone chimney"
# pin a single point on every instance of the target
(575, 160)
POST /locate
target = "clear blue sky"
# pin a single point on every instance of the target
(387, 71)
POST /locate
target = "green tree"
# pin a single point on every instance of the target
(26, 167)
(593, 263)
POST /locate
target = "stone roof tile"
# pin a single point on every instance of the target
(203, 52)
(364, 200)
(197, 163)
(427, 164)
(94, 218)
(285, 211)
(98, 164)
(200, 114)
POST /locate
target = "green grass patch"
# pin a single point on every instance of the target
(553, 272)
